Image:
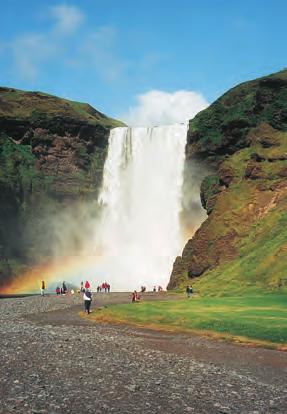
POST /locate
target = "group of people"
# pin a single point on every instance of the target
(59, 290)
(104, 287)
(155, 289)
(159, 288)
(87, 291)
(62, 290)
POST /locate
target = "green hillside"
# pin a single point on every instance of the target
(242, 245)
(38, 108)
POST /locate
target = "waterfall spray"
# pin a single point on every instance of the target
(139, 234)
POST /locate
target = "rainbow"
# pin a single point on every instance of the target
(72, 269)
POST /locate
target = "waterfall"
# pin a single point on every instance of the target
(139, 234)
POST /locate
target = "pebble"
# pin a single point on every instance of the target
(102, 369)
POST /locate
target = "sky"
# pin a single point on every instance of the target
(144, 62)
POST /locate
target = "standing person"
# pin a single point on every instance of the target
(87, 285)
(43, 287)
(58, 290)
(87, 300)
(135, 296)
(82, 287)
(64, 288)
(109, 287)
(189, 291)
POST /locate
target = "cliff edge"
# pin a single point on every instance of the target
(52, 154)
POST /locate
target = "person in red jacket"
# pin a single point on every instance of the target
(87, 285)
(135, 296)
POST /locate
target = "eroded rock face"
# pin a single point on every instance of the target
(242, 136)
(52, 153)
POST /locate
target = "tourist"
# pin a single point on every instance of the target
(64, 289)
(82, 287)
(135, 296)
(154, 288)
(43, 288)
(58, 290)
(189, 291)
(87, 300)
(87, 285)
(108, 287)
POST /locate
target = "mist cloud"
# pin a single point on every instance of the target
(162, 108)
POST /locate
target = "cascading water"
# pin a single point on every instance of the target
(139, 234)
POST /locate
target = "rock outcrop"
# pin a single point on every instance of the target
(243, 138)
(52, 153)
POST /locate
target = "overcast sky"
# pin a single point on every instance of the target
(143, 61)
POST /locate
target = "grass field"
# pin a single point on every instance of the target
(244, 319)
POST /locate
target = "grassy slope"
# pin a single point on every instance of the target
(259, 219)
(244, 319)
(260, 264)
(242, 246)
(19, 105)
(223, 127)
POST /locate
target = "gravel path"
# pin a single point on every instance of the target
(53, 361)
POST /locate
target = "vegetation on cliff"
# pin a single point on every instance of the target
(242, 245)
(52, 154)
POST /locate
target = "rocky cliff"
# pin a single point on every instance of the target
(52, 153)
(243, 243)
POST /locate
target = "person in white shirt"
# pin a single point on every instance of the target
(87, 300)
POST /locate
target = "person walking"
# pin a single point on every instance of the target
(43, 287)
(87, 300)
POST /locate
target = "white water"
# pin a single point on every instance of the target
(139, 237)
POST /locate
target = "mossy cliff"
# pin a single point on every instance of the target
(52, 153)
(242, 246)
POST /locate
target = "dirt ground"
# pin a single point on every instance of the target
(54, 361)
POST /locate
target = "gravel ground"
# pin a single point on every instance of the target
(53, 361)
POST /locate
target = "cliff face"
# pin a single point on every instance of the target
(52, 153)
(243, 243)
